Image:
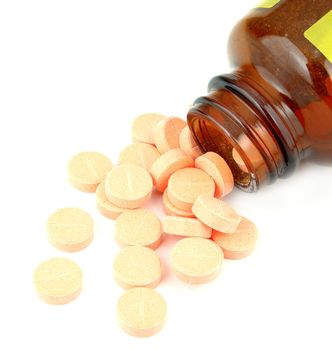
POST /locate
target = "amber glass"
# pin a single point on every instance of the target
(275, 108)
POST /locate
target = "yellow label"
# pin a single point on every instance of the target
(268, 3)
(320, 35)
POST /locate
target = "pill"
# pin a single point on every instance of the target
(140, 154)
(253, 155)
(86, 170)
(142, 126)
(137, 266)
(70, 229)
(188, 144)
(185, 185)
(239, 161)
(167, 164)
(104, 206)
(58, 281)
(141, 312)
(216, 214)
(128, 186)
(186, 227)
(239, 244)
(170, 209)
(196, 260)
(166, 134)
(214, 165)
(138, 227)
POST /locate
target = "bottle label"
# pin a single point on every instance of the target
(320, 35)
(268, 3)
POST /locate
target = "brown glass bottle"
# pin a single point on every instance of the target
(275, 108)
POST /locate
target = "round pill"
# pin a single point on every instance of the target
(196, 260)
(188, 144)
(58, 281)
(104, 206)
(185, 185)
(170, 209)
(218, 169)
(166, 165)
(128, 186)
(70, 229)
(137, 267)
(239, 244)
(138, 227)
(140, 154)
(141, 312)
(252, 153)
(166, 134)
(86, 170)
(186, 227)
(239, 161)
(142, 126)
(216, 214)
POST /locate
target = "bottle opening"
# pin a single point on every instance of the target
(246, 163)
(241, 125)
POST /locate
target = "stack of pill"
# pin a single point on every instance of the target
(163, 157)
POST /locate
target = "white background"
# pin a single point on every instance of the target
(73, 74)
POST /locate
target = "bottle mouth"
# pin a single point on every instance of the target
(250, 127)
(211, 137)
(250, 152)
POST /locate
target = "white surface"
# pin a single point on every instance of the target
(73, 74)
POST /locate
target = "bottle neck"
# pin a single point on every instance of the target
(252, 126)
